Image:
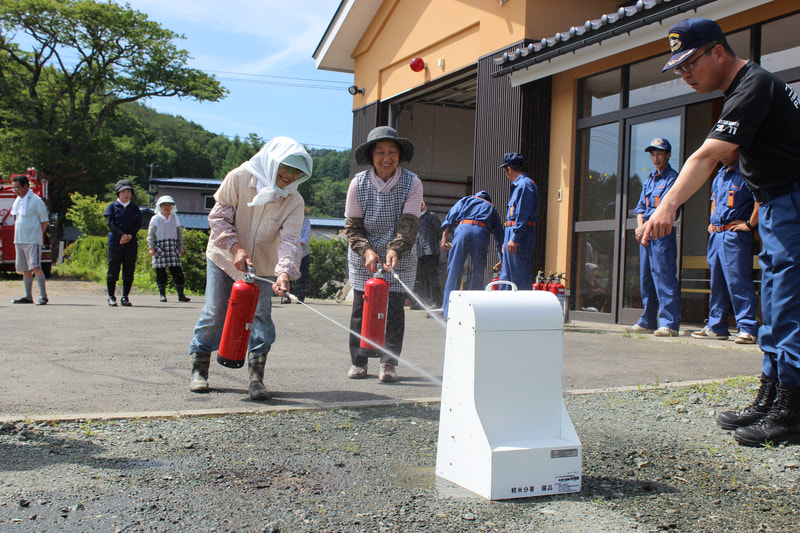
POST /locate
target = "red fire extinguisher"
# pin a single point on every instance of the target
(376, 304)
(538, 283)
(495, 277)
(557, 288)
(238, 322)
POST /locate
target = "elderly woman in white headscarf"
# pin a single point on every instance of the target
(165, 243)
(256, 221)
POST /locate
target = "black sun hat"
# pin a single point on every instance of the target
(383, 133)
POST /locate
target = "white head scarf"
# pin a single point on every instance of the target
(166, 228)
(264, 166)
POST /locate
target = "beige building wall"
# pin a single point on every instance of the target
(450, 35)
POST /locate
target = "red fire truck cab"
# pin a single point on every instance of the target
(8, 253)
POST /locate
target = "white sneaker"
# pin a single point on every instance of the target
(636, 328)
(707, 333)
(664, 331)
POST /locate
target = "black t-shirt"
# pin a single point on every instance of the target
(761, 114)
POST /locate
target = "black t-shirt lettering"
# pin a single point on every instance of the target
(761, 114)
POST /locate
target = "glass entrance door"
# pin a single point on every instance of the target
(638, 167)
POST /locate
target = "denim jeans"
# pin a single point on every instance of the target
(208, 331)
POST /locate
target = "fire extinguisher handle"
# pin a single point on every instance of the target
(501, 282)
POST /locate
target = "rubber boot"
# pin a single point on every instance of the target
(162, 293)
(200, 364)
(753, 412)
(781, 423)
(182, 297)
(256, 362)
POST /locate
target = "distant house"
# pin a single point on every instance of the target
(194, 198)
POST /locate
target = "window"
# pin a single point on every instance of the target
(780, 44)
(209, 202)
(601, 93)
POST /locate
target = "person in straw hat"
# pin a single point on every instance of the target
(381, 223)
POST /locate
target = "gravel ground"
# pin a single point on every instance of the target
(654, 460)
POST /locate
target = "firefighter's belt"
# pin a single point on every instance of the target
(473, 223)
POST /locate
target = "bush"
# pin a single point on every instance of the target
(328, 270)
(87, 258)
(86, 214)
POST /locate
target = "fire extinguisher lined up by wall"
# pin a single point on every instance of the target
(239, 321)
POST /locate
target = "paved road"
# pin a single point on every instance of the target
(79, 358)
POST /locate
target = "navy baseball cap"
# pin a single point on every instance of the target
(659, 144)
(484, 195)
(513, 160)
(687, 36)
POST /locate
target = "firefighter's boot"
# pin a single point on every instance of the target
(200, 364)
(181, 296)
(753, 412)
(781, 423)
(256, 362)
(162, 293)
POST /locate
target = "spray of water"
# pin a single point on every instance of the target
(427, 375)
(439, 319)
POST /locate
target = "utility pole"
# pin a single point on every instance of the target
(149, 193)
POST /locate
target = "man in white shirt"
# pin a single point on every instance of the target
(30, 223)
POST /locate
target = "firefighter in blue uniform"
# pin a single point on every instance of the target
(761, 117)
(471, 220)
(734, 214)
(520, 228)
(658, 259)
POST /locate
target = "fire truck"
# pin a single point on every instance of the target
(8, 253)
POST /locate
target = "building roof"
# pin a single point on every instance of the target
(627, 28)
(326, 222)
(335, 50)
(191, 183)
(194, 221)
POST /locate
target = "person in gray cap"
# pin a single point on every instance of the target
(123, 219)
(381, 223)
(516, 263)
(760, 117)
(658, 260)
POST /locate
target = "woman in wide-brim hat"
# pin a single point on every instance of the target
(381, 223)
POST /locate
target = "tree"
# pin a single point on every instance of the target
(66, 67)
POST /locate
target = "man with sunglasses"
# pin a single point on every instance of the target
(761, 118)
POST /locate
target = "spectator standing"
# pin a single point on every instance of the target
(427, 286)
(520, 230)
(165, 243)
(124, 220)
(760, 117)
(30, 224)
(471, 220)
(305, 264)
(658, 259)
(381, 223)
(734, 215)
(256, 221)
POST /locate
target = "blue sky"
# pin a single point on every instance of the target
(252, 47)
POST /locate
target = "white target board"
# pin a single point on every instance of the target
(504, 431)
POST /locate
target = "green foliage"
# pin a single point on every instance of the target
(325, 193)
(87, 258)
(86, 214)
(328, 270)
(66, 67)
